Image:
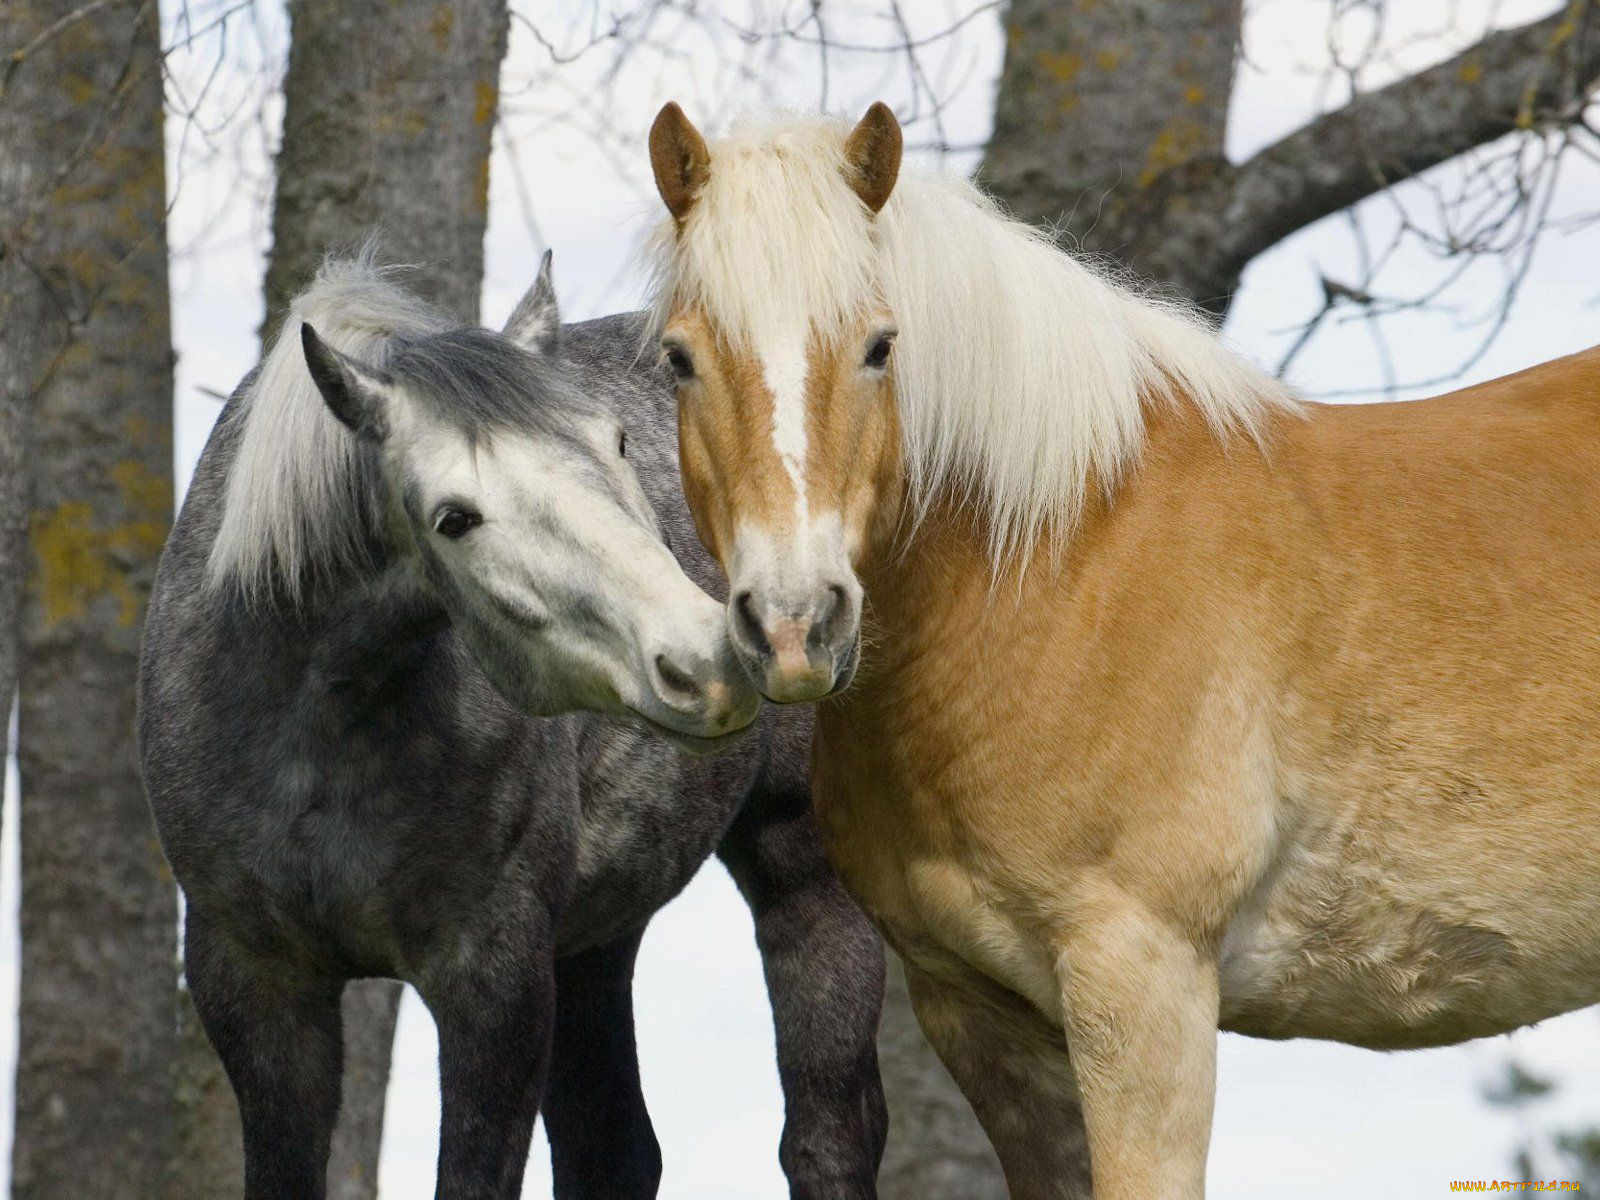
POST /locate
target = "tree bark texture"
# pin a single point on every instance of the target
(1111, 120)
(389, 110)
(390, 105)
(371, 1009)
(86, 344)
(1099, 103)
(207, 1148)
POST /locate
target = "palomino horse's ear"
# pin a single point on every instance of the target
(679, 157)
(535, 323)
(354, 393)
(872, 156)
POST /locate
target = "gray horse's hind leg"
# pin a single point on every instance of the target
(824, 969)
(494, 1005)
(601, 1142)
(278, 1033)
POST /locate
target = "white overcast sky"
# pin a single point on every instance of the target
(1322, 1121)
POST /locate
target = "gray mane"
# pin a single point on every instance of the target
(301, 502)
(480, 382)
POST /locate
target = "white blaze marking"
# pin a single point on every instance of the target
(783, 360)
(779, 573)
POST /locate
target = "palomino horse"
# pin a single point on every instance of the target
(407, 549)
(1185, 705)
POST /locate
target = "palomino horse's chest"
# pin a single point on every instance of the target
(906, 854)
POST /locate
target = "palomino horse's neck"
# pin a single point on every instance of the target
(933, 586)
(945, 626)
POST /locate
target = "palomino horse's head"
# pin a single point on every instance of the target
(514, 492)
(772, 320)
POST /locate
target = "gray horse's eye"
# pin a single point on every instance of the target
(453, 521)
(622, 444)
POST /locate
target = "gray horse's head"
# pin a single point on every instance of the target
(514, 491)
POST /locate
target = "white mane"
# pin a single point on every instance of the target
(1021, 373)
(294, 508)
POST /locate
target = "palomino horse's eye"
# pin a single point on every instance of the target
(453, 521)
(878, 353)
(680, 362)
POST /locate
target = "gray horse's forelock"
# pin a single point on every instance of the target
(297, 505)
(478, 382)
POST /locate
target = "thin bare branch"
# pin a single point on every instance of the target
(1537, 76)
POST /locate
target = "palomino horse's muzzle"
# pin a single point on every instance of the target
(797, 651)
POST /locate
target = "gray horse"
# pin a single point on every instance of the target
(408, 549)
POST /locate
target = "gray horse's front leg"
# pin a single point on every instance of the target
(277, 1030)
(494, 1003)
(602, 1146)
(824, 969)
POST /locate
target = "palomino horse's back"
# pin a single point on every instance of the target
(1442, 762)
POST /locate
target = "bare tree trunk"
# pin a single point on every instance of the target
(1111, 118)
(86, 335)
(371, 1007)
(389, 110)
(28, 338)
(27, 346)
(390, 105)
(207, 1149)
(1107, 116)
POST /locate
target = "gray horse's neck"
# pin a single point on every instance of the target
(365, 626)
(353, 633)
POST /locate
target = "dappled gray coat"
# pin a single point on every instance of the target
(504, 865)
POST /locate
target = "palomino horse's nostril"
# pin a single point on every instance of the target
(745, 615)
(832, 609)
(678, 682)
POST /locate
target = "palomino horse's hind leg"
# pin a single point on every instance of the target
(601, 1141)
(1012, 1066)
(494, 1004)
(1140, 1004)
(279, 1038)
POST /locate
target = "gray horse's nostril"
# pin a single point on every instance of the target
(677, 682)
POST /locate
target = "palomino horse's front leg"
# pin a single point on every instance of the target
(1140, 1007)
(1013, 1068)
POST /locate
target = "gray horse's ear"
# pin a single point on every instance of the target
(535, 323)
(356, 394)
